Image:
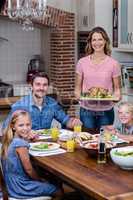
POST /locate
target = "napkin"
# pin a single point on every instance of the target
(44, 137)
(47, 153)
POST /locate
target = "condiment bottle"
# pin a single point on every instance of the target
(101, 148)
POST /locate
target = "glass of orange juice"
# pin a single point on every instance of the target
(70, 145)
(108, 132)
(77, 128)
(54, 134)
(107, 136)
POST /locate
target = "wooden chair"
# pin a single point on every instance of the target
(5, 193)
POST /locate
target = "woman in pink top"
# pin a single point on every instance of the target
(97, 69)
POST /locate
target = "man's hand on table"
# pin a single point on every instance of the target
(73, 122)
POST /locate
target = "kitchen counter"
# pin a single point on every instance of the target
(19, 90)
(6, 102)
(127, 91)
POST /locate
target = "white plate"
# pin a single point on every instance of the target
(94, 145)
(115, 139)
(85, 136)
(43, 132)
(41, 135)
(98, 99)
(51, 146)
(65, 131)
(119, 141)
(65, 134)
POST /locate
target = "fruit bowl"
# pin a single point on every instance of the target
(123, 157)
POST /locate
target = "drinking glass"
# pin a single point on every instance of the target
(77, 128)
(54, 134)
(70, 145)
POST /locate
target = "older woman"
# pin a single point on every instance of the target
(97, 70)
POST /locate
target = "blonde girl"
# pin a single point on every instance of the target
(21, 179)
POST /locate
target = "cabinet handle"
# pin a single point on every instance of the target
(131, 40)
(128, 38)
(115, 18)
(126, 76)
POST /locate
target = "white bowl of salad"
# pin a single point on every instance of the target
(123, 157)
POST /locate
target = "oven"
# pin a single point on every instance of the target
(6, 90)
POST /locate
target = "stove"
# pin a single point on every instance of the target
(6, 90)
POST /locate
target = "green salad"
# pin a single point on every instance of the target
(44, 132)
(41, 146)
(123, 153)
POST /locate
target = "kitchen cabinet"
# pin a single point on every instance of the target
(127, 98)
(127, 94)
(86, 19)
(125, 25)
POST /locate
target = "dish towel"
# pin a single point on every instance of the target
(47, 153)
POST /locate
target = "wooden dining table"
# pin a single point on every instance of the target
(81, 171)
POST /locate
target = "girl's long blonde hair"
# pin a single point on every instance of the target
(89, 50)
(8, 133)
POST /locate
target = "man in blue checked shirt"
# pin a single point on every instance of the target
(43, 109)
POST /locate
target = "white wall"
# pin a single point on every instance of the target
(15, 54)
(86, 18)
(21, 46)
(103, 14)
(67, 5)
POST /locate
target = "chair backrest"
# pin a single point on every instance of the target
(2, 184)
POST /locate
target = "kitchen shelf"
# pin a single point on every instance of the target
(127, 91)
(123, 50)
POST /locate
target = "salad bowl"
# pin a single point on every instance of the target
(123, 157)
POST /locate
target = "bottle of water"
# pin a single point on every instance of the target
(101, 148)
